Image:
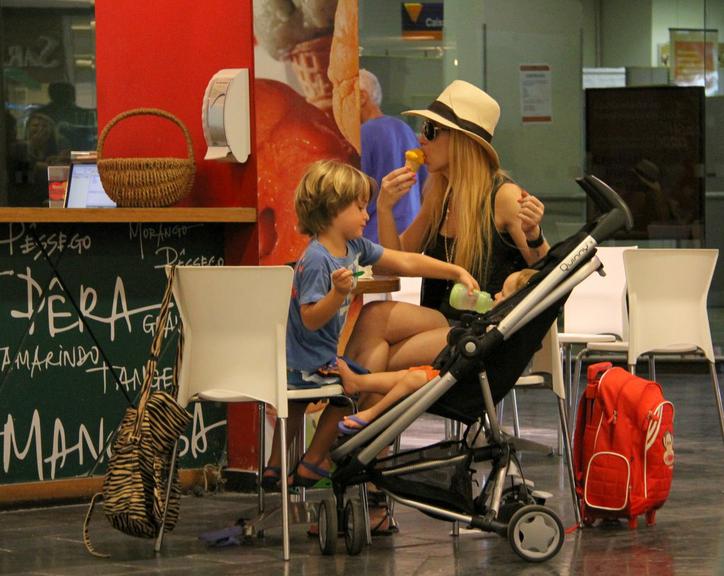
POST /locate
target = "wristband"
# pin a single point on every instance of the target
(538, 242)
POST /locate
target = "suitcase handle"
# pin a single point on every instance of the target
(595, 369)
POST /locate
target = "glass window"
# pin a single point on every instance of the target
(49, 93)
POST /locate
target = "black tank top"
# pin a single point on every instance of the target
(506, 258)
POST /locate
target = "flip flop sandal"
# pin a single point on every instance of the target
(386, 520)
(230, 536)
(303, 481)
(347, 431)
(270, 478)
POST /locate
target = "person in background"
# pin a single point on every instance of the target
(77, 125)
(42, 146)
(384, 142)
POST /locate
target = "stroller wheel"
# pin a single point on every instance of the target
(512, 500)
(354, 527)
(327, 526)
(535, 533)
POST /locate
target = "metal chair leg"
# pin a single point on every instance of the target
(171, 470)
(285, 489)
(262, 460)
(568, 454)
(717, 396)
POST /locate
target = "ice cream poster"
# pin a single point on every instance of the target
(306, 92)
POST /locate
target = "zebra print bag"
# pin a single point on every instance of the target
(134, 487)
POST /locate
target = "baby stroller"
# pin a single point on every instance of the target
(484, 358)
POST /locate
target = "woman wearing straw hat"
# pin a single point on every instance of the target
(473, 214)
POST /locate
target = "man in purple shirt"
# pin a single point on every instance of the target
(384, 141)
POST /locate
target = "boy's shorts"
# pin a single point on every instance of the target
(324, 376)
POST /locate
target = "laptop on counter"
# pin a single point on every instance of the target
(85, 189)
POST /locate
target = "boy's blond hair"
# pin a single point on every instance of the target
(326, 189)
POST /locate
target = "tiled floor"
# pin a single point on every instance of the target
(688, 538)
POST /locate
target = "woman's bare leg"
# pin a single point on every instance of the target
(396, 335)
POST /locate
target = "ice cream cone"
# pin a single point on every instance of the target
(310, 61)
(414, 159)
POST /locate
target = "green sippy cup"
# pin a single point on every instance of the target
(478, 301)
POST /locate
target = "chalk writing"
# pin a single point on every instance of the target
(36, 361)
(83, 446)
(172, 256)
(158, 234)
(61, 315)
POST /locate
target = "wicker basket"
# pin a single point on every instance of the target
(146, 182)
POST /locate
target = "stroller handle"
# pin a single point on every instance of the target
(615, 212)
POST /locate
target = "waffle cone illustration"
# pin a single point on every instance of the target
(310, 61)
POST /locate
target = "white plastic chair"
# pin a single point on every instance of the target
(546, 372)
(235, 320)
(667, 291)
(594, 315)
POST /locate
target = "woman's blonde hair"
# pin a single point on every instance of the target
(327, 188)
(471, 176)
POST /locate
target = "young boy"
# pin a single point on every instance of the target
(331, 206)
(398, 384)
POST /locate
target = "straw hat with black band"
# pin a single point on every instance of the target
(466, 108)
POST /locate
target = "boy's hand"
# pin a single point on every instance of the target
(343, 281)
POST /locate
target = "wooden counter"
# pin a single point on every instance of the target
(377, 285)
(91, 215)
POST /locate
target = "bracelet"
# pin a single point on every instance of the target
(538, 242)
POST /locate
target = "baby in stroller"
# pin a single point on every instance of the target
(484, 357)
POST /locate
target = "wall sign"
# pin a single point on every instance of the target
(694, 58)
(535, 93)
(422, 21)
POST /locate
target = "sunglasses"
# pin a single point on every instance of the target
(430, 130)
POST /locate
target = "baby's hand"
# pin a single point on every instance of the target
(343, 280)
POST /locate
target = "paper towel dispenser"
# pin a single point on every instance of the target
(225, 116)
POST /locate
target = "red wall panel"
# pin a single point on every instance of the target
(162, 54)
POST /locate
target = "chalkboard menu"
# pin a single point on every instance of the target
(648, 144)
(59, 402)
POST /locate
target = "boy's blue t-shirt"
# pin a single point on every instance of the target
(309, 350)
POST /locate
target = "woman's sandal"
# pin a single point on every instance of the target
(385, 526)
(299, 481)
(270, 478)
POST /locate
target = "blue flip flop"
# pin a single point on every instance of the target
(347, 431)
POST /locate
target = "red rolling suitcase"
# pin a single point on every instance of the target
(623, 446)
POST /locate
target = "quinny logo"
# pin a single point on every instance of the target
(580, 252)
